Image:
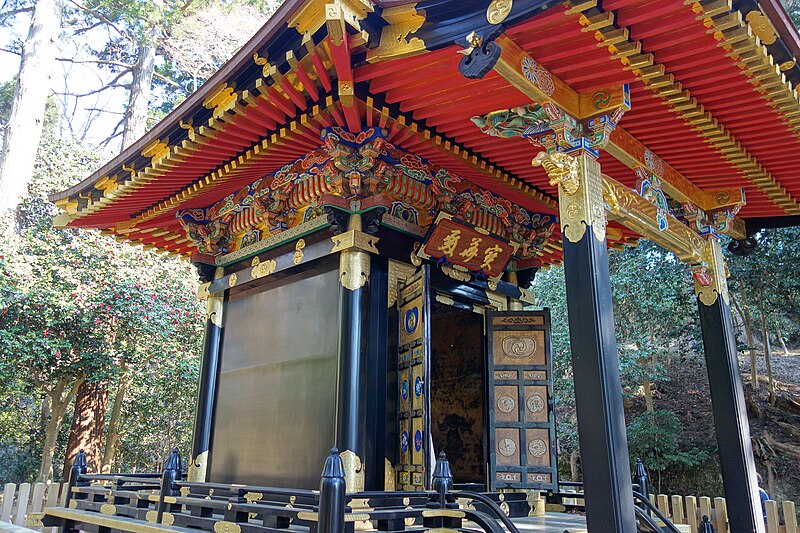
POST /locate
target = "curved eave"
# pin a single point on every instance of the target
(707, 98)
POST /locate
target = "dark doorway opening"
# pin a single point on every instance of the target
(458, 391)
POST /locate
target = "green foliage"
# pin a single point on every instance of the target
(655, 438)
(763, 277)
(77, 303)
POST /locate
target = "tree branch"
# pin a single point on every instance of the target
(166, 79)
(14, 12)
(96, 62)
(103, 18)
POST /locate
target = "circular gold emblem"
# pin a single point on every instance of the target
(498, 11)
(535, 403)
(537, 447)
(506, 447)
(506, 404)
(519, 347)
(232, 280)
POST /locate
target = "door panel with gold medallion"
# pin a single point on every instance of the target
(522, 438)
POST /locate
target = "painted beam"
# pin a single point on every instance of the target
(532, 79)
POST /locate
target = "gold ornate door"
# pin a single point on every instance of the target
(413, 371)
(522, 436)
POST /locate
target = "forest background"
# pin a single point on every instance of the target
(100, 341)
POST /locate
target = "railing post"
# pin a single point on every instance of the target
(332, 497)
(442, 484)
(442, 479)
(641, 479)
(705, 526)
(172, 473)
(77, 469)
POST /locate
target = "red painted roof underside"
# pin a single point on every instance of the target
(670, 31)
(430, 88)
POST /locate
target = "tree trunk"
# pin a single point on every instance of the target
(744, 311)
(781, 339)
(574, 469)
(113, 436)
(58, 408)
(49, 446)
(141, 85)
(88, 423)
(767, 359)
(44, 412)
(24, 129)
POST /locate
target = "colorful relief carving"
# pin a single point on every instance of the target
(355, 171)
(549, 127)
(649, 187)
(704, 222)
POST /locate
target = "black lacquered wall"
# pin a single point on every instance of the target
(274, 418)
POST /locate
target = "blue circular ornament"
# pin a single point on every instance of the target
(411, 320)
(418, 440)
(404, 389)
(418, 387)
(404, 441)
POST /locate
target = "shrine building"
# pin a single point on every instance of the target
(369, 187)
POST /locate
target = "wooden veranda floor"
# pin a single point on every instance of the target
(551, 523)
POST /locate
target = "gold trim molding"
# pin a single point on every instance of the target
(580, 193)
(639, 214)
(710, 279)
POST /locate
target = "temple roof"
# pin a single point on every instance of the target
(712, 102)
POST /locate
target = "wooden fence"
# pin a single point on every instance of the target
(690, 510)
(22, 505)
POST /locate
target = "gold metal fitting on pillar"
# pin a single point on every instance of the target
(198, 467)
(354, 247)
(710, 277)
(580, 192)
(214, 302)
(353, 471)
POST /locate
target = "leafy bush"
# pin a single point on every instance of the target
(655, 438)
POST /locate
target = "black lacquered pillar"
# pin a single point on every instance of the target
(352, 381)
(209, 374)
(727, 396)
(595, 364)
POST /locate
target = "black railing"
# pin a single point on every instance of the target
(165, 499)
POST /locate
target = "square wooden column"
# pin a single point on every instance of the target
(595, 363)
(727, 394)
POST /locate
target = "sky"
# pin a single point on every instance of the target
(81, 117)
